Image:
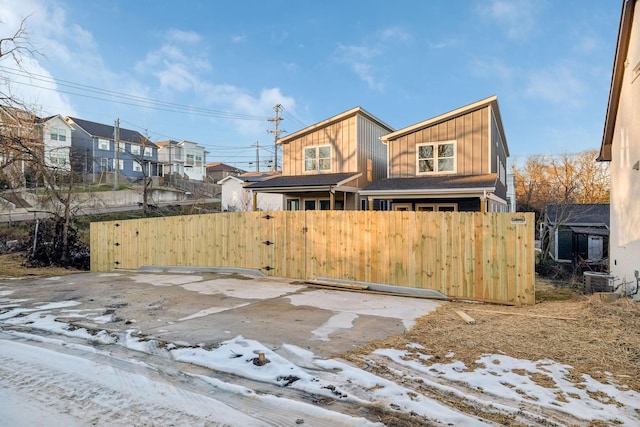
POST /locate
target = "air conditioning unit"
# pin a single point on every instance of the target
(597, 282)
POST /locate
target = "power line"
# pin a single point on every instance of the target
(123, 98)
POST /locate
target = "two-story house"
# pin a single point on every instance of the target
(326, 164)
(456, 161)
(57, 139)
(621, 147)
(184, 159)
(21, 147)
(98, 148)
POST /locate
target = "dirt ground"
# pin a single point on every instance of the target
(598, 338)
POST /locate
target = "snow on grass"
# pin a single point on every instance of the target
(544, 382)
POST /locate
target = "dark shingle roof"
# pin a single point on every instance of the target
(222, 167)
(578, 214)
(107, 131)
(315, 180)
(440, 182)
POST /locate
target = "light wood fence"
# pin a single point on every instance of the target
(475, 256)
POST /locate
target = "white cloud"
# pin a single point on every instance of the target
(560, 85)
(516, 17)
(179, 36)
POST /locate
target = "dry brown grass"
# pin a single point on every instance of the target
(13, 265)
(605, 337)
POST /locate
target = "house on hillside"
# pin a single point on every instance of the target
(57, 139)
(29, 142)
(184, 159)
(577, 233)
(456, 161)
(96, 150)
(236, 197)
(326, 164)
(218, 171)
(621, 147)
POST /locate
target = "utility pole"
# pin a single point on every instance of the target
(276, 133)
(257, 156)
(116, 145)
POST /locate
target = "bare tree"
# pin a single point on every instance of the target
(22, 149)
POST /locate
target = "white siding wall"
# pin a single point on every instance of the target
(624, 258)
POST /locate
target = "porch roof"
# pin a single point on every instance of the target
(440, 185)
(302, 183)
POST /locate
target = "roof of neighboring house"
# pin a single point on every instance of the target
(107, 132)
(578, 214)
(490, 101)
(221, 167)
(440, 184)
(337, 118)
(161, 144)
(622, 47)
(308, 182)
(250, 177)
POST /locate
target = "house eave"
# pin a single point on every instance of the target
(622, 48)
(352, 112)
(441, 192)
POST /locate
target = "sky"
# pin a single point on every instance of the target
(212, 72)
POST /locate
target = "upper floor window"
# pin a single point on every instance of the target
(103, 144)
(148, 151)
(58, 134)
(317, 158)
(135, 149)
(438, 157)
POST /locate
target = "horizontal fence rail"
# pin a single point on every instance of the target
(476, 256)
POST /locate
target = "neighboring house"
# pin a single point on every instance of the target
(57, 138)
(326, 164)
(577, 233)
(96, 152)
(185, 159)
(218, 171)
(511, 192)
(20, 142)
(453, 162)
(621, 147)
(235, 197)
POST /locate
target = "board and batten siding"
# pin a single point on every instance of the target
(471, 133)
(355, 147)
(341, 136)
(371, 152)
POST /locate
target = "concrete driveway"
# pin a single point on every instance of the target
(205, 308)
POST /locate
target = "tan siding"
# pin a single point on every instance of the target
(469, 130)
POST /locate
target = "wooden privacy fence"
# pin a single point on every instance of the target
(476, 256)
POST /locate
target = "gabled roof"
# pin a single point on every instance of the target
(313, 182)
(432, 185)
(622, 47)
(337, 118)
(222, 167)
(108, 132)
(490, 101)
(591, 214)
(251, 177)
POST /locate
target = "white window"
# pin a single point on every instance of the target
(58, 134)
(438, 157)
(317, 158)
(122, 146)
(103, 144)
(148, 152)
(135, 149)
(137, 167)
(120, 164)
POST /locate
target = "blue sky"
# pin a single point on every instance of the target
(220, 67)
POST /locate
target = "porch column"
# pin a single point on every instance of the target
(332, 200)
